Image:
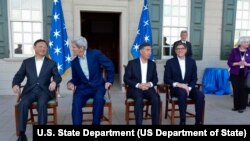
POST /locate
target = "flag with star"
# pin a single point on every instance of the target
(58, 45)
(144, 34)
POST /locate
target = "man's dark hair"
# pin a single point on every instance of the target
(180, 43)
(144, 45)
(40, 40)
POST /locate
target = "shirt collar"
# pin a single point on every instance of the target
(142, 62)
(39, 59)
(181, 59)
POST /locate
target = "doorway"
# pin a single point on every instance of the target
(102, 32)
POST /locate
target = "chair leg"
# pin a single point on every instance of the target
(16, 118)
(160, 113)
(32, 116)
(127, 114)
(172, 113)
(55, 115)
(146, 112)
(203, 114)
(110, 114)
(166, 110)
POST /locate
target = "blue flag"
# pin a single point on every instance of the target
(144, 34)
(58, 45)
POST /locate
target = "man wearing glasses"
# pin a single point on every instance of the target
(181, 74)
(183, 39)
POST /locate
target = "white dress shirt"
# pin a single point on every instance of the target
(183, 41)
(144, 70)
(182, 63)
(39, 64)
(84, 65)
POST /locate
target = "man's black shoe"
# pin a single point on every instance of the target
(235, 109)
(248, 105)
(182, 123)
(198, 123)
(22, 138)
(241, 110)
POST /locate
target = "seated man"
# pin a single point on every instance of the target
(141, 77)
(39, 71)
(181, 74)
(88, 79)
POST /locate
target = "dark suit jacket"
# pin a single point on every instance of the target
(95, 61)
(28, 69)
(189, 48)
(173, 72)
(132, 74)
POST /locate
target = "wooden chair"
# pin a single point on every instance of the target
(129, 106)
(173, 101)
(32, 119)
(87, 109)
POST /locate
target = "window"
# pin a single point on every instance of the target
(25, 26)
(175, 19)
(242, 26)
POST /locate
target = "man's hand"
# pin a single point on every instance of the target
(107, 85)
(70, 86)
(183, 86)
(16, 89)
(144, 86)
(52, 86)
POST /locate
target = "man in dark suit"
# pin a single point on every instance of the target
(183, 36)
(42, 79)
(181, 74)
(141, 77)
(87, 79)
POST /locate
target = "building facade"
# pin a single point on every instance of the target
(111, 25)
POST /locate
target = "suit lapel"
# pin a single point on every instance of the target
(80, 68)
(45, 64)
(187, 68)
(178, 67)
(89, 59)
(138, 63)
(33, 67)
(148, 71)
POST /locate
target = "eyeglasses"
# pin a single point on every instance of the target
(180, 48)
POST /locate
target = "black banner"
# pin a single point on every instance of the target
(104, 132)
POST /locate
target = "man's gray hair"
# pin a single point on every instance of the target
(80, 42)
(183, 31)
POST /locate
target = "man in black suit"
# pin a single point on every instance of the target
(141, 77)
(181, 74)
(42, 79)
(183, 36)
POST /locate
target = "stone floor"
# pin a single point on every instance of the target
(218, 112)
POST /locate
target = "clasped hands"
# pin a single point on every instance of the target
(242, 63)
(144, 86)
(183, 86)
